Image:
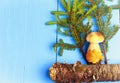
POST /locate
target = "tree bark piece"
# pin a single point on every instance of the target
(68, 73)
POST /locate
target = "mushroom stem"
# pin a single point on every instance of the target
(95, 46)
(94, 53)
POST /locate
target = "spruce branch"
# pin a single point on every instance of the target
(51, 23)
(63, 46)
(65, 32)
(64, 3)
(59, 13)
(71, 24)
(103, 16)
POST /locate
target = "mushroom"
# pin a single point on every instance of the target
(94, 54)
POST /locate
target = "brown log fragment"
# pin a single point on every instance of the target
(77, 73)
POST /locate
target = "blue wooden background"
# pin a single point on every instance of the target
(26, 42)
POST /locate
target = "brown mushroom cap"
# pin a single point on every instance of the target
(95, 37)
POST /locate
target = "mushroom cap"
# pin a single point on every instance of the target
(95, 37)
